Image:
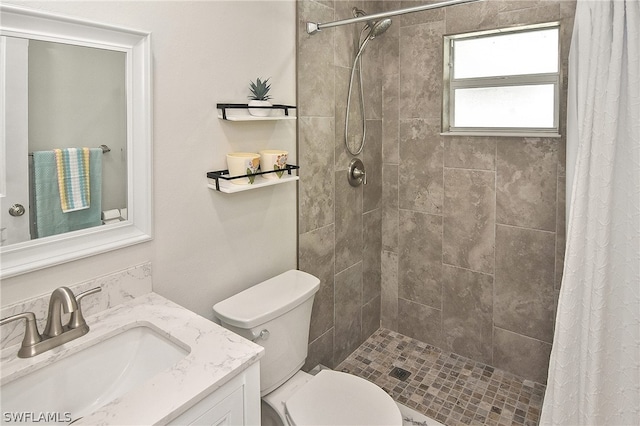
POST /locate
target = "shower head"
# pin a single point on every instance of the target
(376, 27)
(379, 27)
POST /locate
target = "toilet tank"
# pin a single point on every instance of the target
(275, 314)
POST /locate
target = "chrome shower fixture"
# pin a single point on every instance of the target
(379, 27)
(314, 27)
(376, 28)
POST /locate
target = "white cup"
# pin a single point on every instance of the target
(243, 163)
(273, 159)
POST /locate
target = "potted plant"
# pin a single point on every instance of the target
(259, 97)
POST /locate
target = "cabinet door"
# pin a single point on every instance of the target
(228, 412)
(235, 403)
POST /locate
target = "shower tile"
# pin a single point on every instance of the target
(372, 70)
(470, 153)
(421, 160)
(389, 296)
(316, 256)
(348, 297)
(445, 386)
(374, 6)
(421, 59)
(320, 351)
(420, 322)
(467, 313)
(391, 5)
(420, 258)
(560, 230)
(316, 186)
(568, 9)
(372, 159)
(390, 125)
(372, 224)
(391, 48)
(349, 232)
(419, 17)
(316, 95)
(562, 144)
(526, 183)
(524, 282)
(342, 156)
(370, 318)
(511, 5)
(472, 17)
(544, 12)
(346, 36)
(526, 357)
(469, 219)
(327, 3)
(390, 213)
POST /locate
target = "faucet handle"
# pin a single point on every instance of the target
(31, 335)
(77, 320)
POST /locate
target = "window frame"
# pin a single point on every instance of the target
(450, 85)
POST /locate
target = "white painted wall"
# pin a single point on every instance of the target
(77, 97)
(207, 245)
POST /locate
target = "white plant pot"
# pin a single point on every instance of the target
(259, 112)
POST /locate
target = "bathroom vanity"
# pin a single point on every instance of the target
(210, 375)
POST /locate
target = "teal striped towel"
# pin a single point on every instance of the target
(49, 217)
(73, 178)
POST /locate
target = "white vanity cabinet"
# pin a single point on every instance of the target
(237, 402)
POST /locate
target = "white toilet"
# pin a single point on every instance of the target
(276, 314)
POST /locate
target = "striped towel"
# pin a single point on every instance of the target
(73, 178)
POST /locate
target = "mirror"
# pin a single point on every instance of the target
(69, 83)
(75, 97)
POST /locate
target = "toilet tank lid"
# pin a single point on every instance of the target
(267, 300)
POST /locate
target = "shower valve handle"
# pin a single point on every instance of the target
(360, 174)
(357, 174)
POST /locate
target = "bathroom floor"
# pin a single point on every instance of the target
(444, 386)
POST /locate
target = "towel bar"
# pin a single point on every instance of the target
(104, 149)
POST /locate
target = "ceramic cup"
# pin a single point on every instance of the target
(243, 163)
(273, 159)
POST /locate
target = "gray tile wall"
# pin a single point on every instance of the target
(456, 241)
(340, 226)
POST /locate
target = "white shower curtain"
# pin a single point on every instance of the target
(594, 371)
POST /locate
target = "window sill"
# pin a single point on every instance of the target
(506, 134)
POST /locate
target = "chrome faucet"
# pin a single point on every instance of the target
(61, 298)
(55, 334)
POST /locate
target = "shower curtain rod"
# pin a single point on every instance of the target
(313, 27)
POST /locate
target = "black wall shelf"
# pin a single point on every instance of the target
(221, 180)
(247, 117)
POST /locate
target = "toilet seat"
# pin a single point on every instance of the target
(334, 398)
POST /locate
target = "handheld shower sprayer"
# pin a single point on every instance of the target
(376, 28)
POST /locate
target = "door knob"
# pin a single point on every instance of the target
(16, 210)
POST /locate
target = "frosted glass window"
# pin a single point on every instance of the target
(504, 106)
(531, 52)
(502, 81)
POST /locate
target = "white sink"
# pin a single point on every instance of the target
(77, 385)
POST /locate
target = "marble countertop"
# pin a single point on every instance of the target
(216, 356)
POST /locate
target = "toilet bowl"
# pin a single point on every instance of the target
(276, 314)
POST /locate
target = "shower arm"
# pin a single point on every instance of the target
(313, 27)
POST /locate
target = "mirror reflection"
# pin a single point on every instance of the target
(66, 119)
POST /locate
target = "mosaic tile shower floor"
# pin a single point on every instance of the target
(449, 388)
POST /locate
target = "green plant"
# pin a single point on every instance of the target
(260, 90)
